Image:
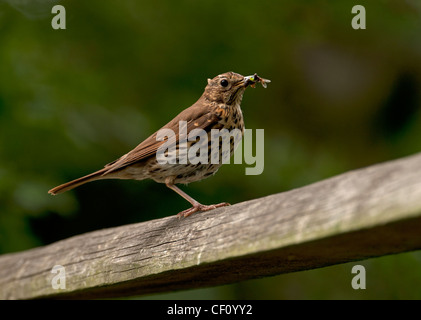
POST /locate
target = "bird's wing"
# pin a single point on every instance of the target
(196, 118)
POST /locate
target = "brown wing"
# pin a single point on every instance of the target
(196, 116)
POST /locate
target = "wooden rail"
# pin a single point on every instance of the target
(365, 213)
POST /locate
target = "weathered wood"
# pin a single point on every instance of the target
(360, 214)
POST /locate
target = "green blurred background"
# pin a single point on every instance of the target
(73, 100)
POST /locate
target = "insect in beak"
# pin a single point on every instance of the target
(252, 80)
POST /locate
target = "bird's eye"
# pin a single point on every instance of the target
(224, 83)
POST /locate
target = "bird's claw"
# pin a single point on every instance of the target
(201, 207)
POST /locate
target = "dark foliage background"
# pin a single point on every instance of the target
(73, 100)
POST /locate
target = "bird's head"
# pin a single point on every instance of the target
(228, 88)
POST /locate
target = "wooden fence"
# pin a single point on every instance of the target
(364, 213)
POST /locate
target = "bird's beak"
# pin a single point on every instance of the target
(249, 80)
(246, 81)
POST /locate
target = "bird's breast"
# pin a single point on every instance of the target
(231, 117)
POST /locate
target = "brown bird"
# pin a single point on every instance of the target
(217, 108)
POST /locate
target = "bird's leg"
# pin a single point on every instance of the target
(196, 205)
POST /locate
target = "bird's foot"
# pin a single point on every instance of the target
(201, 207)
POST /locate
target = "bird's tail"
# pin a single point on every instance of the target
(76, 183)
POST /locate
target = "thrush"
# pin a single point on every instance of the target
(217, 108)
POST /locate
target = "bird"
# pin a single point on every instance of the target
(219, 107)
